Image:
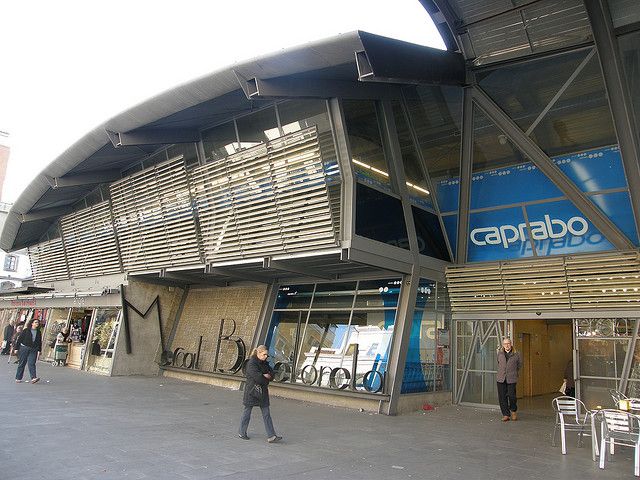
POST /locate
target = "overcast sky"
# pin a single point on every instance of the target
(67, 66)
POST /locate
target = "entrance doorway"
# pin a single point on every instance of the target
(546, 347)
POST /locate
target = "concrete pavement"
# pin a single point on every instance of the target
(76, 425)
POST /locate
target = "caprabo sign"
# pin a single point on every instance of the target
(550, 228)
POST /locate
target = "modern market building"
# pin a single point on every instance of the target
(378, 213)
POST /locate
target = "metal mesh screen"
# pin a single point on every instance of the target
(581, 282)
(90, 242)
(48, 262)
(269, 199)
(154, 218)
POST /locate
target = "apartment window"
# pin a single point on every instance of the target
(10, 263)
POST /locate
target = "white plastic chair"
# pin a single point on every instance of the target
(616, 396)
(571, 415)
(620, 428)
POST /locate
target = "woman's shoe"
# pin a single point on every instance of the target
(505, 419)
(274, 439)
(18, 381)
(243, 437)
(35, 380)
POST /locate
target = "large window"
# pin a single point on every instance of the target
(367, 147)
(334, 335)
(428, 364)
(10, 263)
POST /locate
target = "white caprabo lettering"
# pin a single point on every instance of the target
(540, 230)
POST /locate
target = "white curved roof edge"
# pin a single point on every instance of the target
(310, 56)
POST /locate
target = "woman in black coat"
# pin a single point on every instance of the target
(29, 344)
(256, 393)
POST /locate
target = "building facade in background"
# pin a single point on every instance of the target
(378, 213)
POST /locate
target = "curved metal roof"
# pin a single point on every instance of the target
(216, 92)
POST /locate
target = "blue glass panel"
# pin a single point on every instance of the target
(560, 228)
(617, 206)
(591, 171)
(499, 234)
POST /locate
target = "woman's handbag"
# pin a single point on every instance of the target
(256, 393)
(563, 388)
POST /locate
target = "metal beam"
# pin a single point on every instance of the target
(619, 97)
(236, 274)
(44, 213)
(388, 60)
(401, 337)
(269, 264)
(91, 178)
(157, 136)
(367, 257)
(192, 279)
(551, 170)
(287, 87)
(466, 168)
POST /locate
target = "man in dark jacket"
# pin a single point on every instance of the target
(256, 393)
(29, 344)
(509, 364)
(7, 337)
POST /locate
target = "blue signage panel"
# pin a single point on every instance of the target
(498, 234)
(560, 228)
(555, 227)
(591, 171)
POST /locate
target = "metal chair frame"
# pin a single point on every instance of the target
(620, 428)
(571, 415)
(616, 396)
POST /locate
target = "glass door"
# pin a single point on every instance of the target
(605, 358)
(476, 360)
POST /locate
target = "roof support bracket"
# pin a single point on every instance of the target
(157, 136)
(102, 176)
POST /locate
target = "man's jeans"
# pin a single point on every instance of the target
(266, 416)
(26, 356)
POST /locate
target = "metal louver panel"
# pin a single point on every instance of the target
(580, 282)
(499, 31)
(606, 281)
(154, 218)
(269, 199)
(48, 262)
(90, 242)
(474, 288)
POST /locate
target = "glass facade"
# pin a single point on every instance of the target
(428, 364)
(603, 344)
(334, 335)
(367, 148)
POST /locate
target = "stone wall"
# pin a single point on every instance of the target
(203, 312)
(145, 334)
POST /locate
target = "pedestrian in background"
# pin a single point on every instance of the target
(256, 393)
(568, 377)
(7, 337)
(509, 364)
(29, 344)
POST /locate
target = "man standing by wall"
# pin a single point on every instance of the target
(509, 364)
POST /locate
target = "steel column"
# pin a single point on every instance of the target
(466, 167)
(619, 97)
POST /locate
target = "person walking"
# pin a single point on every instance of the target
(7, 337)
(29, 345)
(256, 393)
(509, 364)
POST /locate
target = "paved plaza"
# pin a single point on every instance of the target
(76, 425)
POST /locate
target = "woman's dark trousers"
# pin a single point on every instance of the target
(26, 356)
(266, 416)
